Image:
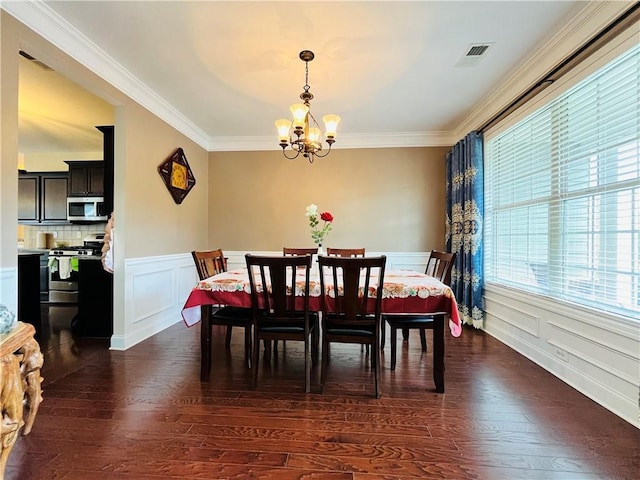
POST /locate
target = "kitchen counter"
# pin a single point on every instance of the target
(44, 269)
(29, 288)
(95, 299)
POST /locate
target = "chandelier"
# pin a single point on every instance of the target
(304, 134)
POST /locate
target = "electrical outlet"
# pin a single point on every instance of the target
(562, 354)
(55, 234)
(78, 234)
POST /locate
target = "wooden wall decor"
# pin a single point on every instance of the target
(177, 175)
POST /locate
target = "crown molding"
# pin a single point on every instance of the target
(40, 18)
(44, 21)
(346, 141)
(580, 29)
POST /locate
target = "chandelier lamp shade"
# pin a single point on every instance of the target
(303, 134)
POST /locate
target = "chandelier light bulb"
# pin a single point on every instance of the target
(283, 125)
(314, 135)
(299, 112)
(331, 125)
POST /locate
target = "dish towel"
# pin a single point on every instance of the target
(64, 267)
(53, 264)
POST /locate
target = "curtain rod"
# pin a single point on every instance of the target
(615, 28)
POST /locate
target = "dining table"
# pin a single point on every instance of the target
(403, 291)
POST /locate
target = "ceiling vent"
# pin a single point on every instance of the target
(34, 60)
(475, 53)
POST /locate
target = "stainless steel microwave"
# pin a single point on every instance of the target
(86, 209)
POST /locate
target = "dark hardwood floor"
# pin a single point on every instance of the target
(143, 414)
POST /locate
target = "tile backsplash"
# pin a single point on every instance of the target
(63, 234)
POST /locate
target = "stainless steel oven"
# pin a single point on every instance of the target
(63, 279)
(63, 269)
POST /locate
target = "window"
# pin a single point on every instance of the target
(562, 194)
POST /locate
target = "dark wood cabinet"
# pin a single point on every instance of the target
(42, 197)
(44, 277)
(108, 158)
(29, 288)
(86, 179)
(95, 300)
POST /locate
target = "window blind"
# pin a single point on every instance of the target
(562, 194)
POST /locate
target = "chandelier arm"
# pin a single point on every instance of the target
(327, 152)
(284, 152)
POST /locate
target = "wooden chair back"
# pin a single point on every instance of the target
(279, 274)
(346, 252)
(209, 263)
(299, 251)
(350, 282)
(280, 304)
(351, 304)
(439, 265)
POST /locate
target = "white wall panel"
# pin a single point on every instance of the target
(9, 288)
(597, 354)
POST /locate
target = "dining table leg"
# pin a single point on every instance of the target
(205, 342)
(438, 352)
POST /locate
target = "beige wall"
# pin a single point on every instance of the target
(147, 211)
(148, 222)
(154, 223)
(8, 142)
(382, 199)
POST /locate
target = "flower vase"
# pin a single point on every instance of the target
(315, 269)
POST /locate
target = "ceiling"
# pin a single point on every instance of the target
(229, 69)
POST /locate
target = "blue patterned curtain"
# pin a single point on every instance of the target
(465, 214)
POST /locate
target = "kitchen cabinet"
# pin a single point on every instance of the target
(86, 179)
(95, 300)
(42, 197)
(108, 132)
(44, 277)
(29, 288)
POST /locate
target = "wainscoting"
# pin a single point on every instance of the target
(157, 287)
(9, 288)
(593, 352)
(597, 355)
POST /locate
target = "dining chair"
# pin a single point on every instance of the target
(351, 302)
(439, 265)
(299, 251)
(346, 252)
(280, 305)
(314, 315)
(209, 263)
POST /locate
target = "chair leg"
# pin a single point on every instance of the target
(405, 334)
(376, 370)
(394, 333)
(205, 343)
(315, 343)
(324, 362)
(267, 350)
(383, 334)
(256, 357)
(423, 339)
(227, 341)
(248, 351)
(307, 367)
